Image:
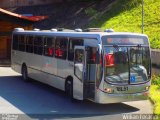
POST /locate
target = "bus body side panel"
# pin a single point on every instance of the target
(49, 68)
(33, 63)
(18, 58)
(77, 88)
(77, 84)
(14, 62)
(62, 72)
(49, 65)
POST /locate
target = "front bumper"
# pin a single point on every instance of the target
(104, 98)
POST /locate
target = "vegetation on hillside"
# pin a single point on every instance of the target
(155, 94)
(126, 15)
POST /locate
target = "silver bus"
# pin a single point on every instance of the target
(104, 67)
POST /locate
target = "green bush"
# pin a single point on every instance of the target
(156, 80)
(155, 94)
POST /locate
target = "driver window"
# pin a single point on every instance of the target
(79, 56)
(72, 43)
(78, 70)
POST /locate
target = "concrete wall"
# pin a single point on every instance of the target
(155, 55)
(17, 3)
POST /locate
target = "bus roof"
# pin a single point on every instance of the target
(72, 33)
(96, 35)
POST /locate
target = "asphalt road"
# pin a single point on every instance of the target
(33, 100)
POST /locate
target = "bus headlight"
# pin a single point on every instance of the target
(108, 90)
(147, 88)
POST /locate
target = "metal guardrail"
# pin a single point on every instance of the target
(155, 56)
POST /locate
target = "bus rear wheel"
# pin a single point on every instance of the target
(69, 88)
(25, 73)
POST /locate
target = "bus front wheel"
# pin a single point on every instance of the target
(69, 88)
(25, 73)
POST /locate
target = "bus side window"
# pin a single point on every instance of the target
(29, 44)
(15, 42)
(49, 46)
(61, 48)
(22, 42)
(38, 45)
(72, 43)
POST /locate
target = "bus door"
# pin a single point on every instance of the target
(85, 70)
(91, 72)
(79, 70)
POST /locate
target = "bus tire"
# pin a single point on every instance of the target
(25, 73)
(69, 88)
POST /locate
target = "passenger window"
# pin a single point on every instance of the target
(29, 44)
(72, 43)
(49, 46)
(38, 45)
(22, 42)
(61, 48)
(15, 42)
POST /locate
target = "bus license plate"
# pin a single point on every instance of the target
(124, 88)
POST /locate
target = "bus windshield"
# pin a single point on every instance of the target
(127, 65)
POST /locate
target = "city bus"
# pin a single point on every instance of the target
(103, 67)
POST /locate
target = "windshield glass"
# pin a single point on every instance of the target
(127, 65)
(139, 64)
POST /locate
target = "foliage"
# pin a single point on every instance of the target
(155, 97)
(90, 11)
(155, 94)
(156, 80)
(126, 16)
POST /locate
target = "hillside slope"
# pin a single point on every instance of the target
(71, 15)
(125, 15)
(121, 15)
